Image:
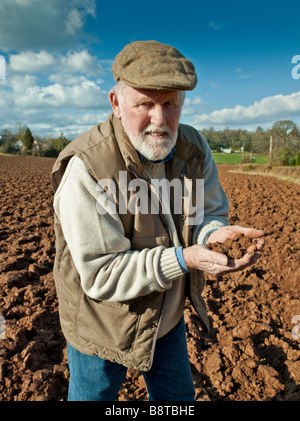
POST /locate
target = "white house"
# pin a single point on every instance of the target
(228, 150)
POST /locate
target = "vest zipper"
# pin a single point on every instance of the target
(165, 225)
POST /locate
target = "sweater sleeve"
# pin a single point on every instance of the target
(108, 268)
(216, 207)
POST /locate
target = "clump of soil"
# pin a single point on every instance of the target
(234, 248)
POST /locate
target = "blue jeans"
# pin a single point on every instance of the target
(169, 379)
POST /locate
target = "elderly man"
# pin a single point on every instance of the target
(123, 270)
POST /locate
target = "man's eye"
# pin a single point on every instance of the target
(145, 105)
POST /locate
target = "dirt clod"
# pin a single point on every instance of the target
(234, 248)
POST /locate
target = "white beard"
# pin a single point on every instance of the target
(153, 149)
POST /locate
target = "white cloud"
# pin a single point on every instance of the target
(69, 123)
(242, 75)
(190, 105)
(266, 110)
(81, 62)
(2, 67)
(219, 26)
(69, 79)
(35, 24)
(246, 76)
(65, 102)
(73, 62)
(73, 22)
(30, 62)
(195, 101)
(52, 93)
(213, 84)
(26, 94)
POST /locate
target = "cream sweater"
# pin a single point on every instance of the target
(108, 268)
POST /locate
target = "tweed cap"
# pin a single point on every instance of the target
(152, 65)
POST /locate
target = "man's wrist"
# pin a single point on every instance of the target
(180, 258)
(205, 239)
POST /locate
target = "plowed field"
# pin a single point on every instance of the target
(253, 350)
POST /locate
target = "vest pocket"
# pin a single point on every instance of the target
(108, 324)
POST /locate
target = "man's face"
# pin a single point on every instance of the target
(150, 119)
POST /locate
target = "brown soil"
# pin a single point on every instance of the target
(252, 353)
(233, 248)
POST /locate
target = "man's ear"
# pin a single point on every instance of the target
(115, 104)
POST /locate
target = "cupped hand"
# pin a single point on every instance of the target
(202, 258)
(231, 231)
(217, 264)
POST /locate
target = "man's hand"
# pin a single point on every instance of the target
(232, 231)
(200, 257)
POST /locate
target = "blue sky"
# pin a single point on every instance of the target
(59, 54)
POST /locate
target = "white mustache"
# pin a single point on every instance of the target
(152, 128)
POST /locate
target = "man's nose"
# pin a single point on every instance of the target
(158, 116)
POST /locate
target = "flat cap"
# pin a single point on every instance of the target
(153, 65)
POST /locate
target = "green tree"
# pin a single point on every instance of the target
(260, 141)
(60, 142)
(28, 140)
(284, 156)
(55, 146)
(7, 142)
(285, 127)
(20, 131)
